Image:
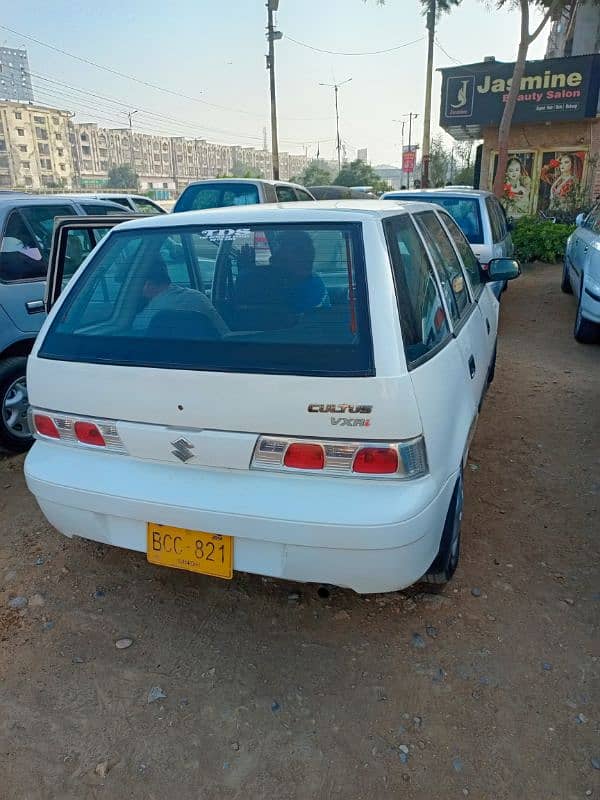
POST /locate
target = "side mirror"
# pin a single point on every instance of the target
(579, 220)
(503, 269)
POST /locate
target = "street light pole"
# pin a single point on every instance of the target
(131, 159)
(335, 87)
(272, 35)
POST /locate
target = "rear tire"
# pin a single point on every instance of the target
(565, 283)
(584, 331)
(445, 563)
(14, 428)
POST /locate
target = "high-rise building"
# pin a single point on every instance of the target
(15, 78)
(576, 32)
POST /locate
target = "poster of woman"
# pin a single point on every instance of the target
(561, 175)
(517, 191)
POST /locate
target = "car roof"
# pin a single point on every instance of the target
(304, 211)
(34, 200)
(251, 181)
(445, 190)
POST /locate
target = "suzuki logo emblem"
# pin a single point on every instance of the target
(183, 449)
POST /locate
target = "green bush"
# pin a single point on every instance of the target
(540, 240)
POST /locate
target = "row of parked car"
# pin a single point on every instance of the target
(263, 387)
(260, 387)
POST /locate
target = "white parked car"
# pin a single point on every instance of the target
(306, 415)
(478, 214)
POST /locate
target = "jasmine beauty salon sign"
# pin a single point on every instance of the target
(551, 89)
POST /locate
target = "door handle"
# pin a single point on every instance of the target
(34, 306)
(472, 367)
(487, 324)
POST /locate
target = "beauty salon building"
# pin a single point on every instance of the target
(554, 149)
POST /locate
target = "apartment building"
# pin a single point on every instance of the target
(41, 148)
(35, 148)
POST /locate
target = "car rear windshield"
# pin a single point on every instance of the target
(465, 211)
(287, 299)
(217, 195)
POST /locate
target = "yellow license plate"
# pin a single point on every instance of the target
(208, 553)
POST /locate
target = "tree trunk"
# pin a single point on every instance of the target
(509, 108)
(427, 115)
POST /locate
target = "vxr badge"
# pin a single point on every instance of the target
(183, 449)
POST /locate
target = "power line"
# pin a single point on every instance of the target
(74, 99)
(338, 53)
(172, 92)
(446, 53)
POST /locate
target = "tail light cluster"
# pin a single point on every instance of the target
(99, 433)
(401, 460)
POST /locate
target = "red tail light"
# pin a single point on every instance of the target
(45, 426)
(376, 461)
(304, 456)
(89, 433)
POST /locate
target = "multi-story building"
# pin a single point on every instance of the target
(35, 149)
(576, 32)
(41, 148)
(167, 162)
(15, 78)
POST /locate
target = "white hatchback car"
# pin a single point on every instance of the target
(305, 416)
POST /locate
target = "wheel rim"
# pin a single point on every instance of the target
(14, 409)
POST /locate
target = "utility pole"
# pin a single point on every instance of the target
(272, 35)
(131, 156)
(402, 123)
(431, 14)
(335, 87)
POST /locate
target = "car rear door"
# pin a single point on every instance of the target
(480, 290)
(24, 253)
(467, 321)
(73, 240)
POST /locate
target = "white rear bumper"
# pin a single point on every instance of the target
(371, 536)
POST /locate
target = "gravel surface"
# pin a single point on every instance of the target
(259, 689)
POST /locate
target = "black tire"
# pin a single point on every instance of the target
(565, 283)
(445, 563)
(14, 430)
(585, 331)
(492, 369)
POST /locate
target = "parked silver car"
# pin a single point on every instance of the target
(238, 192)
(478, 214)
(132, 203)
(26, 224)
(581, 275)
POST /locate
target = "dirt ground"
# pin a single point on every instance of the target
(488, 689)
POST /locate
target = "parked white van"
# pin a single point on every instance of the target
(288, 390)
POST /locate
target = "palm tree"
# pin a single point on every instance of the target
(432, 9)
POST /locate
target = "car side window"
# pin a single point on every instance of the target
(447, 264)
(302, 195)
(592, 221)
(470, 263)
(286, 194)
(122, 201)
(422, 317)
(494, 222)
(146, 206)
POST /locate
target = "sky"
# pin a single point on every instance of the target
(206, 63)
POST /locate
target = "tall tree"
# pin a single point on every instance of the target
(358, 173)
(122, 177)
(432, 9)
(552, 10)
(317, 173)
